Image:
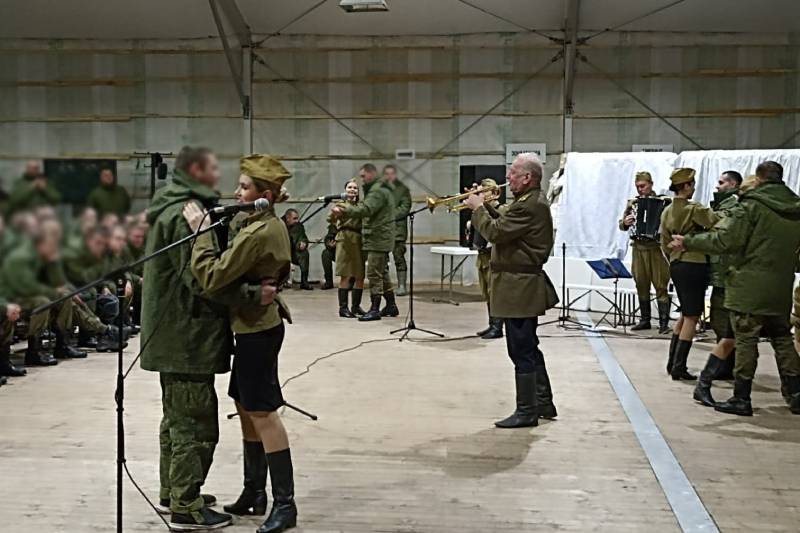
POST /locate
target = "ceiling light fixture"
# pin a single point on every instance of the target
(363, 6)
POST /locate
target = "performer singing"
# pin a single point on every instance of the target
(762, 235)
(521, 291)
(260, 251)
(483, 262)
(689, 270)
(649, 265)
(349, 259)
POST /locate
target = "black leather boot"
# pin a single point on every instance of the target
(110, 341)
(374, 312)
(702, 392)
(391, 309)
(85, 340)
(525, 415)
(356, 309)
(344, 312)
(283, 515)
(544, 395)
(793, 392)
(672, 344)
(739, 403)
(663, 318)
(35, 356)
(64, 351)
(253, 500)
(304, 285)
(484, 331)
(6, 368)
(644, 323)
(725, 369)
(679, 370)
(495, 329)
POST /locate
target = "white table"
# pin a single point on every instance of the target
(452, 252)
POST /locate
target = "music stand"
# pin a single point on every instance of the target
(611, 268)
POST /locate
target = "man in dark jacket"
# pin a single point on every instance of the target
(378, 214)
(190, 340)
(109, 196)
(522, 238)
(299, 240)
(761, 235)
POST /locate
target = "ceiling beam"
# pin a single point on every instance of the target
(226, 14)
(571, 25)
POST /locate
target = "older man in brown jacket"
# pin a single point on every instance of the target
(521, 291)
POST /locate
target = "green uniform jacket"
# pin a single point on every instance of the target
(684, 217)
(25, 196)
(297, 234)
(641, 244)
(131, 254)
(194, 335)
(81, 267)
(762, 236)
(349, 257)
(522, 239)
(259, 251)
(722, 203)
(109, 199)
(402, 206)
(377, 213)
(25, 275)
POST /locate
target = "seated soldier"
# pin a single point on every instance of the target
(133, 252)
(329, 256)
(299, 240)
(9, 314)
(115, 259)
(86, 220)
(109, 196)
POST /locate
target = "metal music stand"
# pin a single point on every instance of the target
(611, 268)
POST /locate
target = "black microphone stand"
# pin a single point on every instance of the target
(118, 277)
(410, 326)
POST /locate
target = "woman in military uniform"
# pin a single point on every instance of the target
(689, 270)
(349, 257)
(260, 251)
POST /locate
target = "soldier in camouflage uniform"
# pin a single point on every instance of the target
(297, 234)
(32, 190)
(402, 207)
(109, 196)
(762, 236)
(329, 255)
(649, 264)
(9, 314)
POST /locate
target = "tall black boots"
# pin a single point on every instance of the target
(283, 515)
(391, 309)
(374, 312)
(793, 390)
(6, 368)
(35, 356)
(344, 311)
(495, 329)
(739, 403)
(544, 395)
(356, 308)
(64, 351)
(680, 357)
(253, 500)
(673, 343)
(663, 318)
(644, 323)
(526, 414)
(702, 391)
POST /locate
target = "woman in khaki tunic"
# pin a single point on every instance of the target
(349, 257)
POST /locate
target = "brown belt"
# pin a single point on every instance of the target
(516, 269)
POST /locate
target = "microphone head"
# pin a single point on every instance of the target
(343, 196)
(262, 204)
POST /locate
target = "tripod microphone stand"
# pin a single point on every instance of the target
(563, 315)
(411, 325)
(118, 277)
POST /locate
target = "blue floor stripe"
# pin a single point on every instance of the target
(692, 515)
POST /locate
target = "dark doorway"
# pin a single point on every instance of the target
(470, 174)
(75, 178)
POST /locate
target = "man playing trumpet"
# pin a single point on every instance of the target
(520, 289)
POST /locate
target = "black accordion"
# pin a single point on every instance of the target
(648, 218)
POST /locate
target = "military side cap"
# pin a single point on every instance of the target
(680, 176)
(488, 182)
(644, 176)
(264, 168)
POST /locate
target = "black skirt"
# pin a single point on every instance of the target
(691, 281)
(254, 378)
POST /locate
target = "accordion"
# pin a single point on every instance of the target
(648, 218)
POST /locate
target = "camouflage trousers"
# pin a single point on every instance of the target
(59, 316)
(188, 435)
(720, 316)
(301, 259)
(650, 267)
(748, 328)
(378, 273)
(399, 256)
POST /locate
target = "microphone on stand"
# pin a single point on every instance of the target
(262, 204)
(329, 198)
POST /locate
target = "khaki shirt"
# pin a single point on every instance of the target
(684, 217)
(261, 250)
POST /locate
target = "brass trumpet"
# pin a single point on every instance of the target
(454, 204)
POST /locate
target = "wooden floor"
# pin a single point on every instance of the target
(405, 442)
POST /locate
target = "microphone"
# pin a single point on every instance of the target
(331, 197)
(262, 204)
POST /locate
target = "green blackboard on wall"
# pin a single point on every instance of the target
(75, 178)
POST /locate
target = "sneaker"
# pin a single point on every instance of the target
(163, 504)
(203, 520)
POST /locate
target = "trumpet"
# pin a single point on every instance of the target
(454, 204)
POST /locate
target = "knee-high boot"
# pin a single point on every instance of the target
(679, 370)
(525, 415)
(702, 392)
(253, 500)
(283, 515)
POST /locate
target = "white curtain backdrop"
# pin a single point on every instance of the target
(596, 188)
